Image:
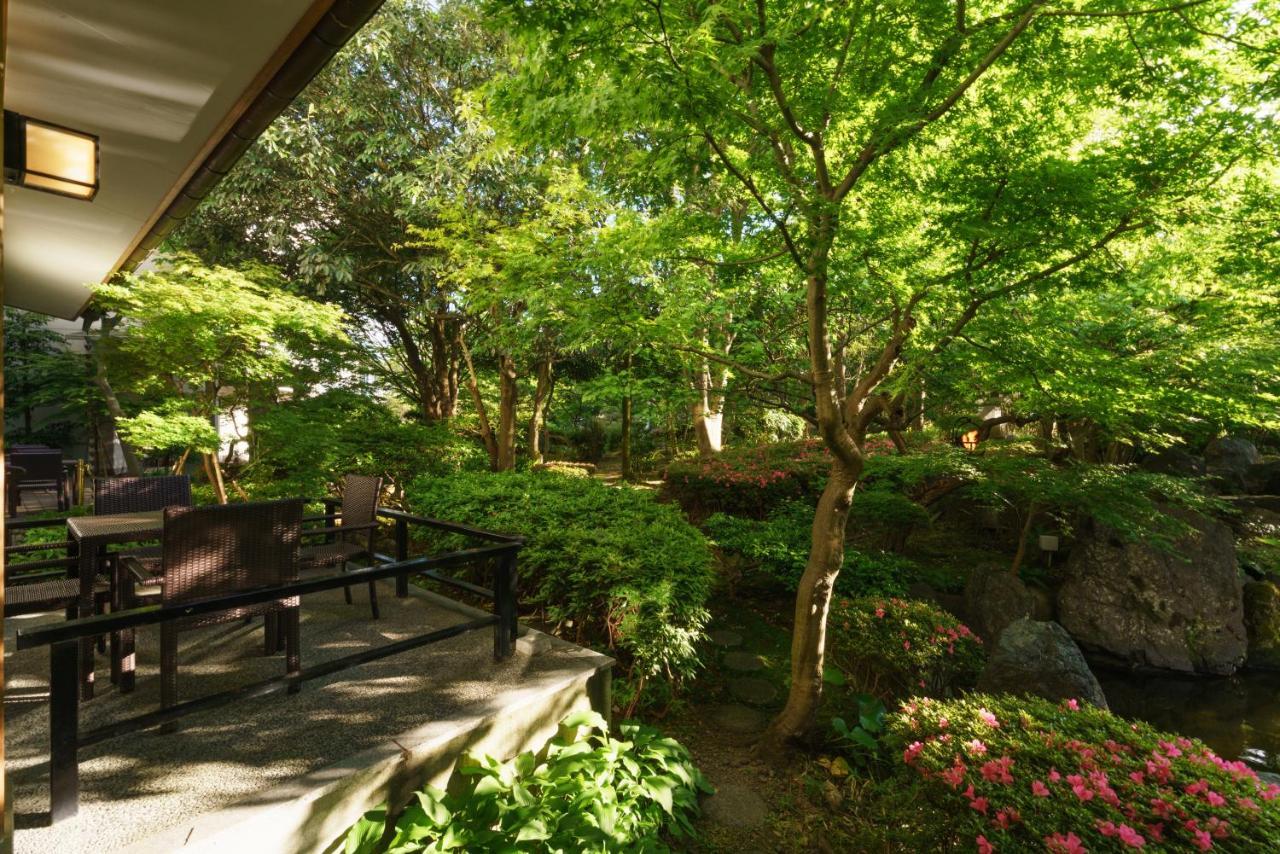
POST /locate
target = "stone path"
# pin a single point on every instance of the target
(743, 662)
(735, 805)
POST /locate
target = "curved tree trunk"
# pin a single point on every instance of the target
(813, 601)
(509, 392)
(537, 421)
(482, 413)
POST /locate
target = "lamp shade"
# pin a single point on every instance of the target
(49, 157)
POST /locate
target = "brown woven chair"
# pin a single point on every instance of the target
(112, 495)
(41, 471)
(352, 539)
(212, 551)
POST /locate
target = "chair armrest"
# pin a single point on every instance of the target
(328, 517)
(341, 529)
(131, 565)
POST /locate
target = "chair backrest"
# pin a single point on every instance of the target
(40, 465)
(140, 494)
(360, 495)
(213, 550)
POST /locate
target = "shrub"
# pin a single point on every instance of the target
(630, 572)
(897, 647)
(304, 447)
(1023, 774)
(749, 481)
(584, 792)
(778, 548)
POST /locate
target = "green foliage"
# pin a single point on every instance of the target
(630, 573)
(1123, 498)
(162, 430)
(778, 547)
(894, 648)
(42, 369)
(1022, 773)
(585, 791)
(860, 739)
(749, 481)
(305, 446)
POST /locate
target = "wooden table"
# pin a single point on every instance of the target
(93, 534)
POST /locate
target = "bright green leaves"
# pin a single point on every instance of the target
(585, 791)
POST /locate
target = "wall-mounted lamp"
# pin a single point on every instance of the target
(49, 157)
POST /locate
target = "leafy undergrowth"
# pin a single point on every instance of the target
(585, 791)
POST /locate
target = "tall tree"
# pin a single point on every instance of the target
(918, 164)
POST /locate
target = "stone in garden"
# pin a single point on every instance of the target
(743, 662)
(735, 805)
(1181, 610)
(1262, 620)
(1040, 659)
(1176, 461)
(1263, 478)
(725, 637)
(756, 692)
(739, 719)
(994, 597)
(1227, 459)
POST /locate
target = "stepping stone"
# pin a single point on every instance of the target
(740, 719)
(753, 691)
(735, 805)
(743, 662)
(725, 637)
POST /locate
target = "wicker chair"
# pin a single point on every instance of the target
(112, 495)
(353, 538)
(211, 551)
(41, 470)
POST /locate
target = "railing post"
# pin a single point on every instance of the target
(504, 605)
(64, 730)
(402, 554)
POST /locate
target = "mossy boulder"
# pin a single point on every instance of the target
(1262, 619)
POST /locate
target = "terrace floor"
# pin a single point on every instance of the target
(163, 792)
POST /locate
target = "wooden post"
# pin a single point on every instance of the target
(6, 802)
(64, 730)
(402, 554)
(504, 605)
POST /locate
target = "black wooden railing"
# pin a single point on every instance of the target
(64, 639)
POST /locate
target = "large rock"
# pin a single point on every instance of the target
(1228, 459)
(1040, 659)
(1176, 610)
(1176, 460)
(994, 597)
(1262, 620)
(1263, 478)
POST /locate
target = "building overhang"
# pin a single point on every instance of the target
(176, 91)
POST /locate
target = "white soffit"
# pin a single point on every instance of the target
(155, 80)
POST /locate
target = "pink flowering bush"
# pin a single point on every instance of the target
(1024, 774)
(895, 648)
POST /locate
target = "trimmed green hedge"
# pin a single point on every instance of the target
(630, 573)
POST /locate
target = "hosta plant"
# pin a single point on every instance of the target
(585, 791)
(1024, 774)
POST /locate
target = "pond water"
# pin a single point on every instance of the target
(1239, 717)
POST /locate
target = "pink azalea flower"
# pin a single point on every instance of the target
(1202, 840)
(984, 847)
(1065, 844)
(1270, 793)
(988, 719)
(1131, 837)
(1007, 818)
(1138, 777)
(1214, 799)
(953, 776)
(913, 750)
(1107, 828)
(880, 613)
(1247, 804)
(979, 804)
(943, 723)
(1040, 790)
(977, 748)
(1054, 776)
(1073, 705)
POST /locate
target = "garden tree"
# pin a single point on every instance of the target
(1181, 345)
(41, 370)
(547, 273)
(332, 190)
(918, 164)
(191, 342)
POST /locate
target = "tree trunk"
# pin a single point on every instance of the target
(114, 413)
(626, 423)
(813, 601)
(213, 471)
(509, 395)
(482, 414)
(708, 409)
(541, 395)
